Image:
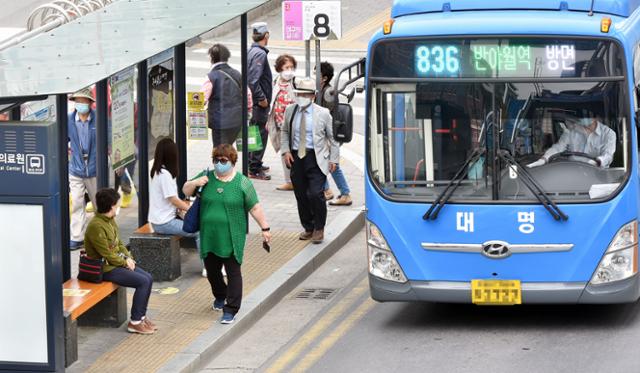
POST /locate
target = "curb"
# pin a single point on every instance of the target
(266, 295)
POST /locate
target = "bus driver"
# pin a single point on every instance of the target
(588, 135)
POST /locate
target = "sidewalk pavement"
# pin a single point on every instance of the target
(189, 330)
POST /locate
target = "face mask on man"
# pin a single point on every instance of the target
(287, 74)
(585, 122)
(82, 108)
(303, 101)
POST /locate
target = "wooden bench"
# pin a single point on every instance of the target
(158, 254)
(103, 304)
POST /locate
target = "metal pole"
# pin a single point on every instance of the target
(318, 74)
(15, 113)
(102, 134)
(143, 144)
(307, 58)
(62, 119)
(245, 105)
(180, 75)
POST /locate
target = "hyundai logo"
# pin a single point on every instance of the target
(496, 249)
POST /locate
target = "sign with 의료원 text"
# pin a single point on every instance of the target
(311, 20)
(197, 116)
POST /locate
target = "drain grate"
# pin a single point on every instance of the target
(316, 293)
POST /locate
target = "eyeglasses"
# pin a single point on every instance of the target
(220, 160)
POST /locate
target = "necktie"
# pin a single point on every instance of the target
(302, 143)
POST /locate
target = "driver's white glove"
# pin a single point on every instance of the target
(538, 163)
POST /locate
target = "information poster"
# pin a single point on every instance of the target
(197, 116)
(160, 103)
(122, 119)
(311, 20)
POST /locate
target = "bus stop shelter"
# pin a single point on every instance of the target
(90, 50)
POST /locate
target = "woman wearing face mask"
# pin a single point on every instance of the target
(283, 87)
(226, 196)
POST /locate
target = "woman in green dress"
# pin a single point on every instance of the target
(226, 196)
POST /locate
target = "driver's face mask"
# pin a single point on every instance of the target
(585, 122)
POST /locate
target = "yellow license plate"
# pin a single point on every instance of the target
(496, 292)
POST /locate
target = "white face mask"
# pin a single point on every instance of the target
(287, 74)
(303, 101)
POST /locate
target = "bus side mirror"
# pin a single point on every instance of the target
(343, 123)
(350, 95)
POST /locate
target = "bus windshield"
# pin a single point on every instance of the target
(569, 129)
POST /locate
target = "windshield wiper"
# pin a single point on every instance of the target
(443, 198)
(533, 186)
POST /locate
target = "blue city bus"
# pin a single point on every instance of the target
(502, 152)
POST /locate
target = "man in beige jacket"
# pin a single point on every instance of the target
(309, 149)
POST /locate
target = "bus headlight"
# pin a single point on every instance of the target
(382, 263)
(620, 261)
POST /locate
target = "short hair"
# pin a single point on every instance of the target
(284, 58)
(166, 155)
(227, 151)
(326, 69)
(106, 198)
(258, 37)
(219, 53)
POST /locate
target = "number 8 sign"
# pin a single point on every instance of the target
(306, 20)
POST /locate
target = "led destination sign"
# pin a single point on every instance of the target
(495, 58)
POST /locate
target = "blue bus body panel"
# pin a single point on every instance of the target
(590, 227)
(622, 8)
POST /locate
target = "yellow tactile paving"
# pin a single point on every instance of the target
(183, 317)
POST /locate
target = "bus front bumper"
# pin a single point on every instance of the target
(625, 291)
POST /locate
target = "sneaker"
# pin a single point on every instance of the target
(306, 235)
(218, 305)
(75, 245)
(140, 328)
(126, 200)
(328, 195)
(204, 272)
(149, 323)
(265, 168)
(227, 318)
(260, 175)
(343, 200)
(285, 186)
(318, 236)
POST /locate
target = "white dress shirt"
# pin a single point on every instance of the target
(600, 143)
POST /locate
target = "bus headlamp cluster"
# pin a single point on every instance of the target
(620, 261)
(382, 263)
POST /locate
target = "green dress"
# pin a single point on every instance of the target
(223, 207)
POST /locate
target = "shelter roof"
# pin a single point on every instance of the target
(100, 44)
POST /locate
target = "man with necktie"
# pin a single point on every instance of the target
(309, 149)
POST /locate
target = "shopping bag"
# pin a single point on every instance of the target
(253, 139)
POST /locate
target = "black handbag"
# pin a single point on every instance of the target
(90, 269)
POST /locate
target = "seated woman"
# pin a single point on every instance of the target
(164, 204)
(102, 240)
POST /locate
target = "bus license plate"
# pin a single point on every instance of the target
(496, 292)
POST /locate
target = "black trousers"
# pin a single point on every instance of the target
(255, 158)
(232, 291)
(308, 187)
(224, 135)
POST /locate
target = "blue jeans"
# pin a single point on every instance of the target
(138, 279)
(174, 227)
(340, 180)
